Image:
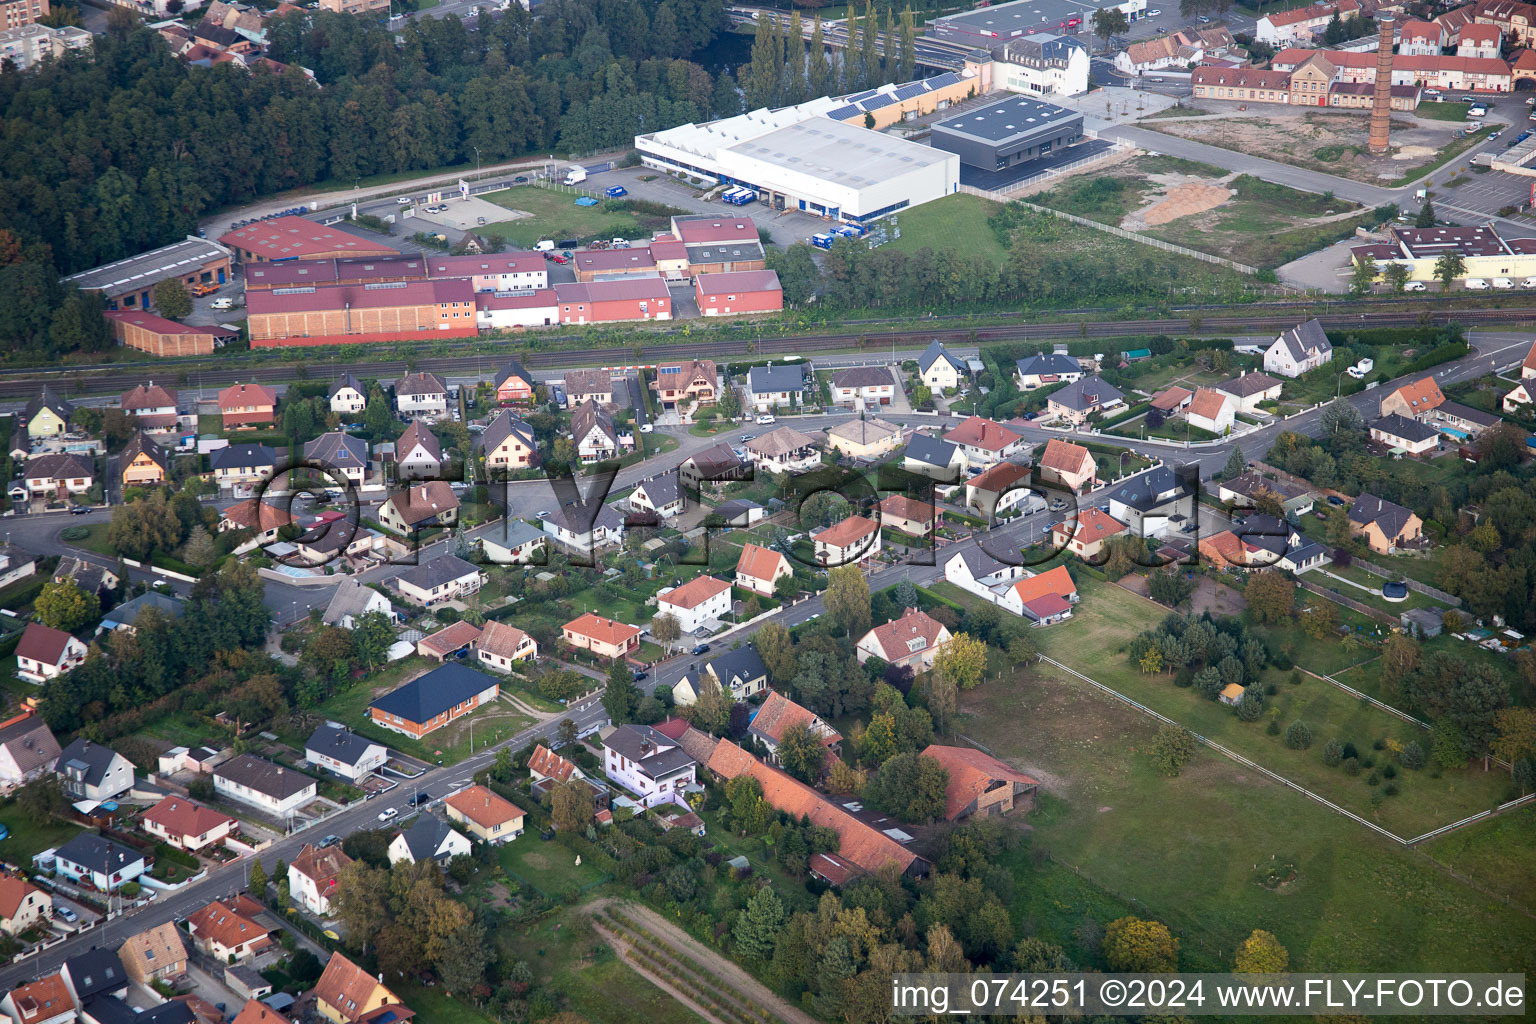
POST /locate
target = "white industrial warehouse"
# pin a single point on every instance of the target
(799, 158)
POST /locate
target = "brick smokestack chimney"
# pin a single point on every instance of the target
(1381, 107)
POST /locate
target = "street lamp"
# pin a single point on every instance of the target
(1338, 390)
(477, 161)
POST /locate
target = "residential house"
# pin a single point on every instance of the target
(486, 816)
(244, 405)
(739, 674)
(27, 749)
(227, 929)
(604, 637)
(759, 569)
(17, 565)
(1042, 599)
(940, 370)
(342, 752)
(868, 439)
(861, 386)
(250, 780)
(694, 380)
(585, 528)
(428, 838)
(1084, 398)
(595, 434)
(1045, 370)
(984, 442)
(92, 579)
(453, 639)
(1415, 400)
(648, 764)
(45, 1001)
(340, 453)
(444, 578)
(931, 457)
(517, 543)
(263, 518)
(1302, 24)
(1298, 350)
(513, 384)
(45, 653)
(1245, 491)
(912, 641)
(499, 645)
(546, 765)
(1211, 411)
(779, 714)
(1172, 399)
(777, 386)
(351, 601)
(143, 461)
(661, 495)
(1148, 501)
(1259, 541)
(47, 415)
(508, 443)
(976, 571)
(698, 604)
(247, 463)
(418, 453)
(155, 954)
(193, 760)
(431, 701)
(1386, 527)
(312, 876)
(862, 848)
(101, 862)
(1420, 38)
(1084, 535)
(1398, 431)
(187, 824)
(420, 506)
(594, 386)
(1249, 389)
(422, 395)
(998, 490)
(739, 512)
(98, 984)
(843, 543)
(1520, 395)
(1461, 422)
(981, 786)
(347, 994)
(717, 463)
(56, 477)
(785, 450)
(908, 515)
(22, 905)
(152, 405)
(93, 771)
(347, 396)
(1302, 555)
(1070, 465)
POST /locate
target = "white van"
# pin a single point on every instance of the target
(1503, 282)
(222, 303)
(545, 245)
(1414, 286)
(1477, 284)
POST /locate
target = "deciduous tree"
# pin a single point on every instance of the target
(65, 606)
(1260, 953)
(1131, 944)
(1270, 596)
(847, 599)
(1173, 749)
(964, 659)
(802, 754)
(171, 299)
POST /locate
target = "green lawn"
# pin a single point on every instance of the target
(29, 836)
(1092, 642)
(556, 216)
(957, 221)
(547, 867)
(1447, 111)
(1198, 849)
(435, 1005)
(1499, 852)
(1369, 579)
(96, 541)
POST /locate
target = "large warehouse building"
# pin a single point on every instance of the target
(800, 158)
(988, 27)
(1013, 131)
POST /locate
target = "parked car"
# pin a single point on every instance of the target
(479, 220)
(1414, 286)
(557, 257)
(388, 814)
(766, 417)
(78, 510)
(421, 799)
(641, 676)
(1529, 282)
(403, 200)
(1334, 499)
(520, 179)
(701, 649)
(66, 913)
(543, 515)
(615, 191)
(329, 841)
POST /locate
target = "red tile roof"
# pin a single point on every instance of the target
(500, 639)
(619, 260)
(1055, 581)
(320, 866)
(902, 507)
(286, 238)
(346, 987)
(13, 890)
(245, 514)
(895, 636)
(846, 533)
(1169, 398)
(229, 923)
(607, 631)
(257, 1012)
(1093, 524)
(180, 816)
(1207, 404)
(357, 296)
(42, 1000)
(613, 291)
(999, 478)
(979, 432)
(695, 592)
(157, 324)
(761, 563)
(778, 714)
(451, 637)
(971, 773)
(551, 765)
(43, 643)
(239, 396)
(1421, 395)
(483, 807)
(726, 229)
(1065, 457)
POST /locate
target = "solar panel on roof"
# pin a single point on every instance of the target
(866, 94)
(843, 113)
(906, 92)
(877, 103)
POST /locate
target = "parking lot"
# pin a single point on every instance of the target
(458, 213)
(786, 227)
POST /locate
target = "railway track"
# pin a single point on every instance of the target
(25, 383)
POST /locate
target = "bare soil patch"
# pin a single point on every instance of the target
(1185, 200)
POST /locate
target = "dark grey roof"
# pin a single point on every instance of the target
(515, 533)
(95, 971)
(1152, 489)
(425, 697)
(762, 380)
(350, 598)
(1047, 363)
(504, 426)
(139, 443)
(1307, 553)
(343, 451)
(343, 745)
(743, 663)
(662, 490)
(1306, 339)
(97, 853)
(931, 451)
(589, 415)
(980, 563)
(933, 353)
(266, 778)
(725, 252)
(48, 400)
(112, 1010)
(1087, 393)
(732, 511)
(862, 377)
(643, 745)
(89, 761)
(1266, 532)
(1004, 122)
(1466, 412)
(421, 384)
(425, 836)
(242, 456)
(1250, 484)
(346, 380)
(1247, 384)
(440, 570)
(1408, 429)
(1369, 509)
(514, 369)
